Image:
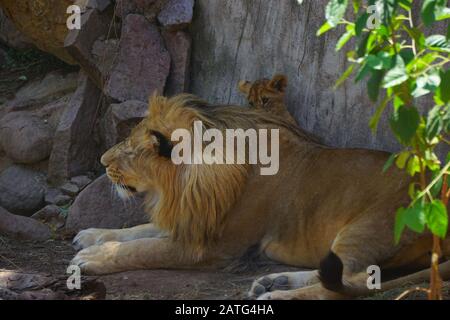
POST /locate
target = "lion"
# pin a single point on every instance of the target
(329, 210)
(268, 95)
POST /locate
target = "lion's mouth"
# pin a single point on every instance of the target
(130, 189)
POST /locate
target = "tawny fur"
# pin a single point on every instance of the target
(322, 199)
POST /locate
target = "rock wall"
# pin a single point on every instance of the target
(239, 39)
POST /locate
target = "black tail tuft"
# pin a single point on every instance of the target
(330, 272)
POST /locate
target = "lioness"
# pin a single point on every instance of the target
(326, 209)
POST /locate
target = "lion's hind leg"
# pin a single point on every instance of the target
(283, 281)
(93, 236)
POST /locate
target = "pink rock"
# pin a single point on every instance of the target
(143, 63)
(24, 228)
(179, 45)
(176, 14)
(74, 150)
(98, 207)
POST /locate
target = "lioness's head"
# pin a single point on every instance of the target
(261, 94)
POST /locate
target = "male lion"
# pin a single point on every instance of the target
(330, 209)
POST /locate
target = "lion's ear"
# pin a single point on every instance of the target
(163, 145)
(156, 103)
(244, 86)
(279, 82)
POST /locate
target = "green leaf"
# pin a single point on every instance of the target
(437, 218)
(402, 158)
(427, 83)
(361, 23)
(373, 123)
(389, 162)
(324, 28)
(335, 11)
(345, 37)
(413, 166)
(438, 42)
(344, 76)
(413, 217)
(444, 87)
(427, 12)
(397, 74)
(404, 122)
(374, 83)
(362, 45)
(399, 224)
(434, 123)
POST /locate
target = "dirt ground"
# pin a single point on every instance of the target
(53, 257)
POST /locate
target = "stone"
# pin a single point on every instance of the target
(120, 119)
(22, 228)
(178, 43)
(98, 207)
(79, 42)
(143, 62)
(63, 200)
(25, 138)
(104, 54)
(3, 57)
(51, 195)
(22, 190)
(69, 189)
(74, 149)
(148, 8)
(43, 22)
(52, 216)
(10, 36)
(51, 87)
(100, 5)
(81, 181)
(176, 14)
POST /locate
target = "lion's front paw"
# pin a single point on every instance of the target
(98, 259)
(91, 237)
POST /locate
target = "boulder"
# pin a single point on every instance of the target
(143, 63)
(100, 5)
(10, 36)
(22, 228)
(69, 189)
(178, 43)
(25, 138)
(52, 216)
(39, 92)
(120, 119)
(74, 149)
(98, 207)
(176, 14)
(22, 190)
(148, 8)
(79, 42)
(81, 181)
(43, 22)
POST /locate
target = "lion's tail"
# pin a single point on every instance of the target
(331, 276)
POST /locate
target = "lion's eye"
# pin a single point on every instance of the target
(164, 145)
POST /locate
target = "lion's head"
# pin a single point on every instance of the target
(189, 201)
(261, 94)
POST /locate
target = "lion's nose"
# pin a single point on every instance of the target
(104, 160)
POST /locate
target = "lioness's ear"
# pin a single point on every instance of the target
(244, 86)
(279, 82)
